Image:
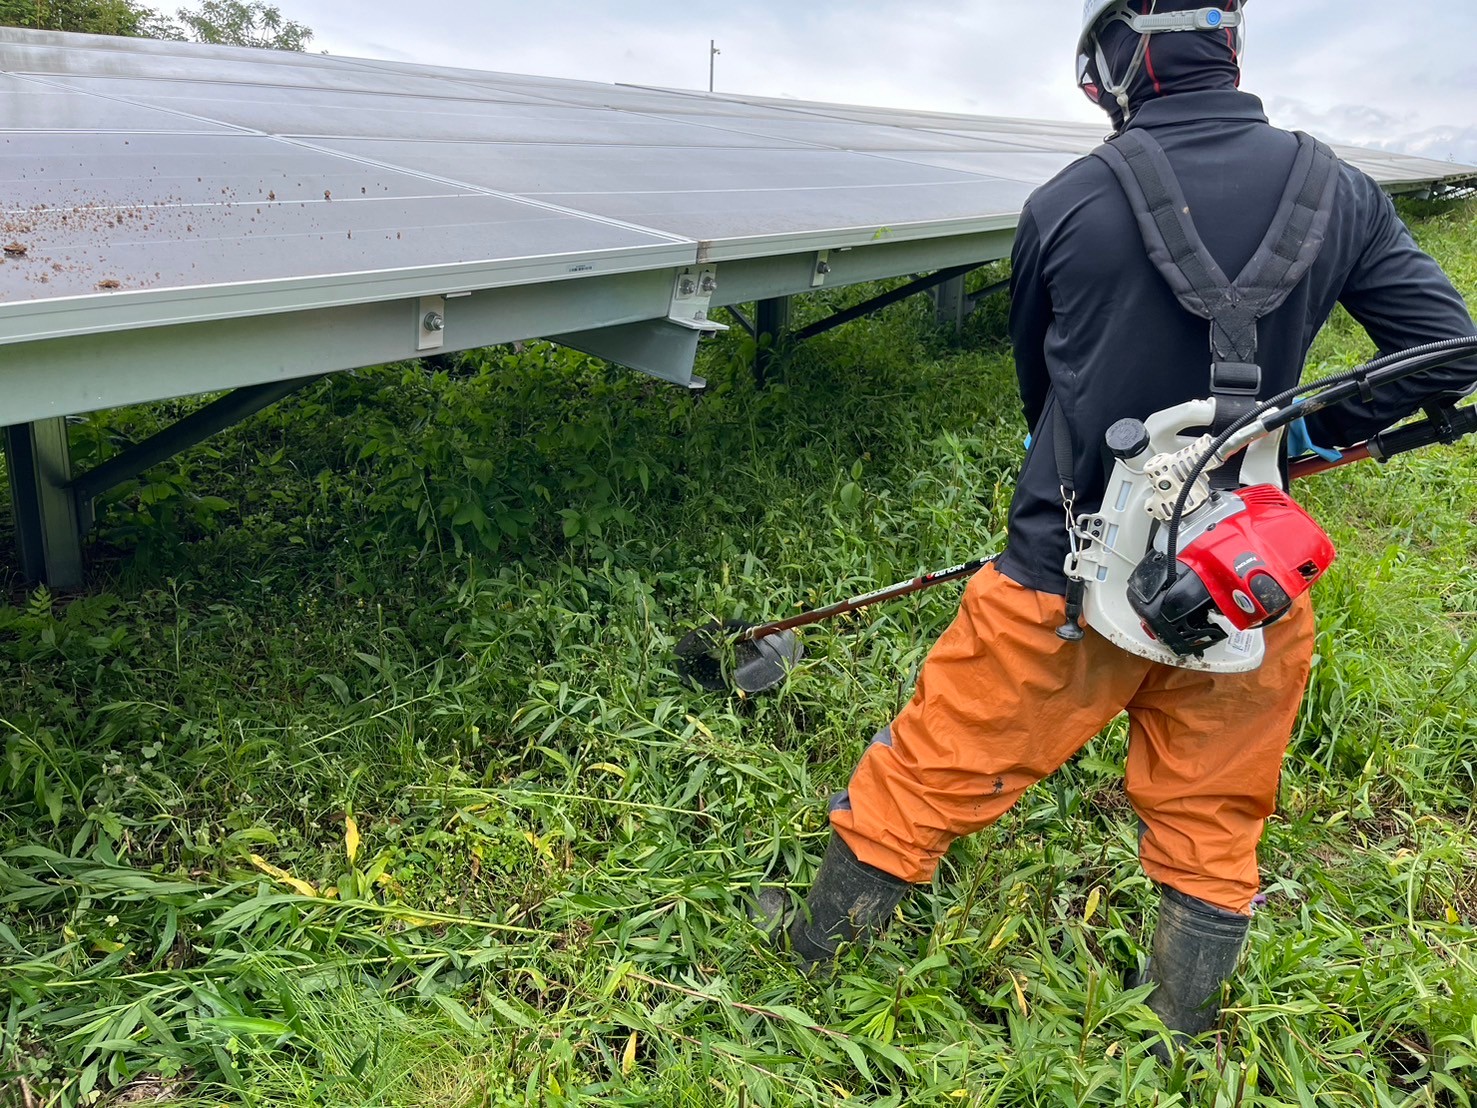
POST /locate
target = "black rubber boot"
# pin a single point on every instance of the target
(1195, 949)
(849, 902)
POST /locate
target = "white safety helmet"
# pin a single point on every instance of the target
(1094, 75)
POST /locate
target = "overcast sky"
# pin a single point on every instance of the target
(1398, 75)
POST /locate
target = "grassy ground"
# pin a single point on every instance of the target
(362, 776)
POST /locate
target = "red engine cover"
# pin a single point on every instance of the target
(1257, 562)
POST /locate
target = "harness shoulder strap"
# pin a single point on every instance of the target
(1163, 215)
(1295, 239)
(1286, 254)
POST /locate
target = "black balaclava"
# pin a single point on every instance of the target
(1181, 61)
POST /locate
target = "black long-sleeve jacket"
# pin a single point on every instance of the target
(1097, 330)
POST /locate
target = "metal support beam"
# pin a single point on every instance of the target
(60, 376)
(951, 303)
(194, 428)
(655, 346)
(747, 280)
(974, 300)
(877, 303)
(48, 534)
(771, 327)
(742, 320)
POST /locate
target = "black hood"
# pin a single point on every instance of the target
(1185, 61)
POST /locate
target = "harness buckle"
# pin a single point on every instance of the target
(1235, 378)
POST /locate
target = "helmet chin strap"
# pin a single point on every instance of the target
(1116, 86)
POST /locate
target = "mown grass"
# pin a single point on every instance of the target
(362, 775)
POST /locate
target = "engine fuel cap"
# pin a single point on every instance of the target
(1128, 438)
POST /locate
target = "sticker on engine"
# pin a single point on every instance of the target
(1242, 643)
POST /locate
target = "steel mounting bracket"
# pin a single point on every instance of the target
(692, 298)
(431, 320)
(821, 269)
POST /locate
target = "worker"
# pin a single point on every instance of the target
(1003, 699)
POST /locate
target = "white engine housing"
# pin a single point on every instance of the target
(1114, 540)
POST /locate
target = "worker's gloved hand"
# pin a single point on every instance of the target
(1299, 443)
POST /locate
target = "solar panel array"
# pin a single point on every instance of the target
(149, 183)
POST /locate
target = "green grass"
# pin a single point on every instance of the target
(362, 776)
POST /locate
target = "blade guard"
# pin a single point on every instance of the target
(1117, 537)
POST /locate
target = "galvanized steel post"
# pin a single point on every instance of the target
(48, 532)
(951, 304)
(771, 324)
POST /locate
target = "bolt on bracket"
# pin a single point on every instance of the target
(822, 268)
(692, 297)
(431, 323)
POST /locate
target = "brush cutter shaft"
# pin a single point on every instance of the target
(1446, 425)
(1313, 465)
(866, 600)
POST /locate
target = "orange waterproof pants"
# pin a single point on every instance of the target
(1002, 702)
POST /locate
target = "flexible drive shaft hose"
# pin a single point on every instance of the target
(1391, 367)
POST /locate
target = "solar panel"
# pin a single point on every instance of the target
(99, 211)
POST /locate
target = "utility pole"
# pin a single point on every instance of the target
(713, 53)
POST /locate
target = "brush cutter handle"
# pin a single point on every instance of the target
(1444, 425)
(866, 600)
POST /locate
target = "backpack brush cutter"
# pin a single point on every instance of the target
(1169, 568)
